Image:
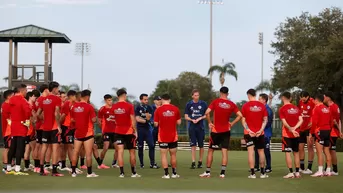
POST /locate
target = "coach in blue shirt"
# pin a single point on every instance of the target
(143, 113)
(154, 130)
(263, 98)
(195, 114)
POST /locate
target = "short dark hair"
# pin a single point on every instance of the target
(20, 87)
(287, 95)
(53, 85)
(319, 97)
(264, 96)
(78, 93)
(62, 92)
(195, 91)
(224, 90)
(71, 93)
(251, 92)
(107, 96)
(121, 92)
(43, 87)
(7, 93)
(28, 95)
(142, 96)
(330, 95)
(36, 93)
(85, 93)
(165, 97)
(304, 94)
(15, 90)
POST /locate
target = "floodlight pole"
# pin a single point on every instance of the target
(82, 49)
(260, 35)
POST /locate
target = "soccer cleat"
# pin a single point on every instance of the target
(264, 176)
(334, 173)
(10, 172)
(297, 175)
(121, 176)
(48, 167)
(252, 176)
(307, 171)
(289, 175)
(175, 176)
(318, 174)
(154, 166)
(66, 169)
(222, 176)
(115, 166)
(73, 175)
(57, 174)
(92, 175)
(199, 165)
(20, 174)
(135, 175)
(268, 171)
(78, 171)
(31, 166)
(327, 174)
(103, 166)
(4, 170)
(166, 177)
(205, 175)
(27, 170)
(193, 165)
(256, 169)
(142, 166)
(36, 170)
(83, 167)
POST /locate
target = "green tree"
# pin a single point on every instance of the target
(73, 86)
(226, 69)
(129, 98)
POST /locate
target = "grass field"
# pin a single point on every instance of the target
(236, 180)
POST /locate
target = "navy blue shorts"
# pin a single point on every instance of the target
(196, 136)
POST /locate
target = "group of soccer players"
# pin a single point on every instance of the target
(36, 122)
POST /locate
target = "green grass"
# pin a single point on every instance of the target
(236, 180)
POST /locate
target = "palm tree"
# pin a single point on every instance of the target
(129, 98)
(226, 69)
(73, 86)
(264, 85)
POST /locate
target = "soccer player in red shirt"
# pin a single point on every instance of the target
(291, 119)
(336, 131)
(306, 105)
(220, 128)
(83, 115)
(20, 113)
(107, 124)
(167, 117)
(6, 125)
(50, 107)
(322, 122)
(125, 132)
(254, 120)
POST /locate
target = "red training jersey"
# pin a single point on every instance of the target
(321, 118)
(336, 115)
(306, 109)
(31, 131)
(49, 105)
(20, 112)
(167, 116)
(222, 110)
(107, 117)
(254, 112)
(291, 114)
(122, 112)
(39, 122)
(5, 117)
(82, 113)
(66, 108)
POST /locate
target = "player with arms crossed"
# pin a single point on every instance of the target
(167, 117)
(254, 121)
(6, 126)
(125, 132)
(336, 131)
(322, 121)
(83, 115)
(220, 129)
(291, 119)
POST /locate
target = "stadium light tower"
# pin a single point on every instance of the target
(260, 38)
(211, 2)
(82, 49)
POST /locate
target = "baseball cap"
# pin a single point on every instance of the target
(157, 98)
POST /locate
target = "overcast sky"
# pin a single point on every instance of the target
(136, 43)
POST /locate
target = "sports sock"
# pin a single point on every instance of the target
(297, 169)
(133, 169)
(335, 168)
(82, 161)
(54, 168)
(166, 172)
(320, 168)
(98, 160)
(89, 170)
(42, 169)
(121, 170)
(262, 171)
(208, 170)
(326, 166)
(63, 164)
(252, 171)
(302, 164)
(27, 163)
(310, 165)
(37, 163)
(328, 170)
(290, 170)
(73, 169)
(114, 162)
(174, 171)
(222, 172)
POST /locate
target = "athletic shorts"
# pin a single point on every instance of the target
(108, 137)
(171, 145)
(7, 142)
(290, 144)
(67, 136)
(323, 137)
(258, 142)
(29, 139)
(39, 136)
(51, 137)
(303, 136)
(196, 136)
(129, 141)
(219, 140)
(83, 139)
(333, 143)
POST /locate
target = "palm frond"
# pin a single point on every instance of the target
(215, 68)
(264, 85)
(232, 73)
(229, 65)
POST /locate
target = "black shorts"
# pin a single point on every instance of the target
(290, 144)
(171, 145)
(258, 142)
(85, 138)
(7, 142)
(51, 137)
(333, 143)
(303, 136)
(39, 136)
(219, 140)
(28, 139)
(108, 137)
(67, 136)
(323, 137)
(129, 141)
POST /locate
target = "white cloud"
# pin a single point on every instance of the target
(10, 5)
(72, 2)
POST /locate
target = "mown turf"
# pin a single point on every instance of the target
(236, 180)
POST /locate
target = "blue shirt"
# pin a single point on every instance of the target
(268, 129)
(140, 111)
(195, 111)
